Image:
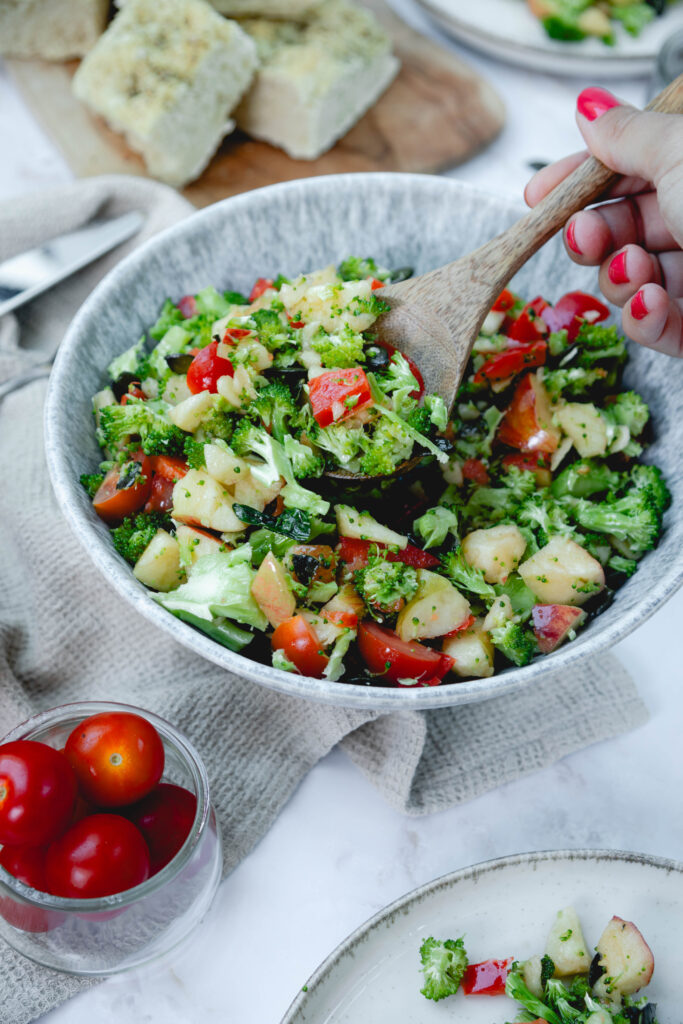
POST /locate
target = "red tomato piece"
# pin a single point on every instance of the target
(296, 637)
(487, 978)
(527, 327)
(165, 818)
(234, 334)
(387, 655)
(462, 627)
(169, 467)
(504, 302)
(261, 285)
(475, 470)
(356, 554)
(295, 323)
(113, 503)
(118, 757)
(99, 856)
(161, 496)
(207, 368)
(571, 310)
(133, 392)
(37, 793)
(375, 283)
(516, 357)
(338, 393)
(527, 423)
(414, 369)
(188, 306)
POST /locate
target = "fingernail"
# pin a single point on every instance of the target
(617, 269)
(594, 102)
(571, 238)
(638, 308)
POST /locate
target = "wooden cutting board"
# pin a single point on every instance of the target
(437, 113)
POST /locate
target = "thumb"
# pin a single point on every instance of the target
(632, 142)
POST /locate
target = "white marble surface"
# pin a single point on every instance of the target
(338, 853)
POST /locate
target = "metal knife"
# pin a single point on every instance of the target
(27, 275)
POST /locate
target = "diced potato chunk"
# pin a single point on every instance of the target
(363, 526)
(223, 465)
(176, 389)
(250, 491)
(566, 945)
(189, 413)
(562, 572)
(271, 592)
(472, 652)
(499, 613)
(496, 550)
(437, 608)
(238, 390)
(193, 544)
(200, 500)
(582, 422)
(532, 975)
(158, 566)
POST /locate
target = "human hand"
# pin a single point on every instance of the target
(637, 239)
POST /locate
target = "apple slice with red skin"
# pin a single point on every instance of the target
(552, 623)
(626, 959)
(527, 424)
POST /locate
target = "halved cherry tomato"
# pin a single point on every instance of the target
(462, 627)
(169, 467)
(475, 470)
(387, 655)
(133, 392)
(527, 327)
(164, 818)
(98, 856)
(516, 357)
(207, 368)
(161, 496)
(339, 393)
(375, 283)
(37, 793)
(530, 462)
(234, 334)
(414, 369)
(487, 978)
(261, 285)
(504, 302)
(527, 423)
(118, 757)
(296, 637)
(188, 306)
(113, 503)
(356, 554)
(571, 310)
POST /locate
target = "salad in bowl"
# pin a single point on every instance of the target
(253, 475)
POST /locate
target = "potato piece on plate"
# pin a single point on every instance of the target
(583, 423)
(158, 566)
(562, 572)
(566, 945)
(496, 550)
(437, 609)
(472, 652)
(199, 500)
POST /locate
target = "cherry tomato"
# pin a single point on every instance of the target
(188, 306)
(98, 856)
(516, 357)
(118, 757)
(169, 467)
(296, 637)
(386, 654)
(161, 496)
(27, 863)
(356, 554)
(261, 285)
(235, 334)
(113, 503)
(37, 793)
(165, 818)
(207, 368)
(337, 394)
(475, 470)
(487, 978)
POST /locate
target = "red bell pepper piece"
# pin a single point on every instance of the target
(516, 357)
(261, 285)
(357, 552)
(469, 621)
(375, 283)
(504, 302)
(338, 394)
(133, 392)
(487, 978)
(235, 334)
(475, 470)
(571, 310)
(527, 327)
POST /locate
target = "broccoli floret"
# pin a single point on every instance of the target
(629, 410)
(634, 17)
(491, 504)
(165, 440)
(91, 482)
(515, 642)
(194, 453)
(356, 269)
(344, 349)
(443, 962)
(220, 421)
(118, 423)
(545, 516)
(465, 576)
(251, 440)
(136, 532)
(344, 443)
(598, 343)
(371, 304)
(435, 525)
(398, 379)
(385, 586)
(583, 479)
(244, 436)
(305, 462)
(625, 566)
(635, 519)
(420, 419)
(276, 408)
(516, 988)
(389, 445)
(571, 381)
(650, 478)
(272, 332)
(438, 413)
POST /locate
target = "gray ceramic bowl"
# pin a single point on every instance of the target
(400, 219)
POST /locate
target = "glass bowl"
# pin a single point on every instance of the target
(114, 933)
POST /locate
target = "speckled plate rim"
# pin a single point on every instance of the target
(472, 873)
(79, 516)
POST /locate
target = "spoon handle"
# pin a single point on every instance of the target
(511, 249)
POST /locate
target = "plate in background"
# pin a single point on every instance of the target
(507, 30)
(503, 908)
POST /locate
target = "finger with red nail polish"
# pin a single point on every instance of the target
(616, 270)
(592, 103)
(654, 319)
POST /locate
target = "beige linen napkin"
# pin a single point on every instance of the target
(64, 635)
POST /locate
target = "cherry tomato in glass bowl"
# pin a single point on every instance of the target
(99, 856)
(118, 758)
(37, 793)
(27, 863)
(164, 818)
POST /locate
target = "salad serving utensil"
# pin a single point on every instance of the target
(435, 318)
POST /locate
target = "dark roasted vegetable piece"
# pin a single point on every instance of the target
(305, 567)
(180, 362)
(121, 384)
(293, 522)
(596, 970)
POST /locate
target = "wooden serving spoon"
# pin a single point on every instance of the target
(435, 318)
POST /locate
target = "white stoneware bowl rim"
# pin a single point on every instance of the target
(80, 517)
(472, 872)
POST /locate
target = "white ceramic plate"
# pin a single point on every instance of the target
(507, 30)
(503, 908)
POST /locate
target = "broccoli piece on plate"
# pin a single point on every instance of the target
(305, 462)
(385, 586)
(276, 408)
(598, 344)
(220, 421)
(344, 349)
(165, 439)
(91, 482)
(625, 566)
(357, 269)
(516, 988)
(435, 525)
(545, 516)
(465, 576)
(119, 423)
(274, 463)
(635, 519)
(194, 453)
(136, 532)
(629, 410)
(583, 479)
(443, 962)
(491, 504)
(650, 478)
(389, 445)
(419, 419)
(571, 382)
(634, 17)
(516, 643)
(273, 333)
(344, 443)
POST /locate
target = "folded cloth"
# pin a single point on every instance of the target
(65, 635)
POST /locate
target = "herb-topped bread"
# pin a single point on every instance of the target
(51, 29)
(316, 78)
(167, 74)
